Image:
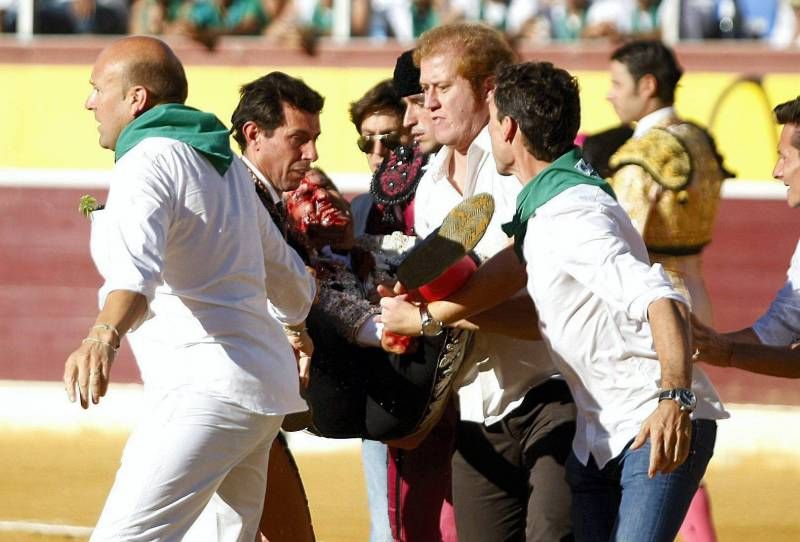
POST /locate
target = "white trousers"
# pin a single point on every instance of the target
(192, 459)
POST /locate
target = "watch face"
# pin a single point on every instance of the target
(687, 399)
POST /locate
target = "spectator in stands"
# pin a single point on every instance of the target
(769, 346)
(621, 18)
(766, 20)
(154, 16)
(390, 18)
(72, 16)
(7, 8)
(771, 21)
(567, 20)
(424, 16)
(207, 20)
(574, 20)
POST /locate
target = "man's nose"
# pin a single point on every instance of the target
(777, 172)
(310, 151)
(431, 100)
(410, 117)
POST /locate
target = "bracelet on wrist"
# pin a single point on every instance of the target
(107, 327)
(112, 329)
(98, 341)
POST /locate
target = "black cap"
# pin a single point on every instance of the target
(406, 75)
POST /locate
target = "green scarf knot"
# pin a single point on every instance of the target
(202, 131)
(568, 170)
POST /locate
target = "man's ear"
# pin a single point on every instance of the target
(510, 128)
(648, 86)
(250, 131)
(139, 97)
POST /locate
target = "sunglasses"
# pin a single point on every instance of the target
(367, 143)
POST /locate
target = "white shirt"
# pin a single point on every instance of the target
(506, 368)
(591, 281)
(780, 325)
(206, 255)
(650, 120)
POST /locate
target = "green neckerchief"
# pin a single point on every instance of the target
(203, 131)
(568, 170)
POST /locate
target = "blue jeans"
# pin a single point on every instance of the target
(375, 458)
(620, 503)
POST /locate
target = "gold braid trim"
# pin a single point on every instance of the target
(661, 154)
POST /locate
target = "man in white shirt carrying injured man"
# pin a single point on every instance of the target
(189, 259)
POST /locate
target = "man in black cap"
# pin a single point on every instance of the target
(417, 119)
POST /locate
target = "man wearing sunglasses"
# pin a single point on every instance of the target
(378, 118)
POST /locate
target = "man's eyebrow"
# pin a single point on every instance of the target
(303, 132)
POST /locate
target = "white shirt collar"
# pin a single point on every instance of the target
(478, 150)
(652, 119)
(276, 197)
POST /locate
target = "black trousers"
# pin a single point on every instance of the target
(366, 392)
(508, 478)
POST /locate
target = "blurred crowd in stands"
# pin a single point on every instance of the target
(299, 22)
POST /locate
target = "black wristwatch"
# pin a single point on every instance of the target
(684, 397)
(430, 327)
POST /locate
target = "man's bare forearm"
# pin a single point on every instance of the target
(781, 361)
(749, 354)
(669, 324)
(122, 310)
(746, 335)
(495, 281)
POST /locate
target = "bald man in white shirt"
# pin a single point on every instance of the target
(188, 257)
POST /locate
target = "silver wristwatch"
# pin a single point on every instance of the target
(684, 397)
(430, 327)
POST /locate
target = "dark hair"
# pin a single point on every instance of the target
(478, 48)
(162, 76)
(262, 101)
(789, 113)
(652, 57)
(381, 97)
(544, 101)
